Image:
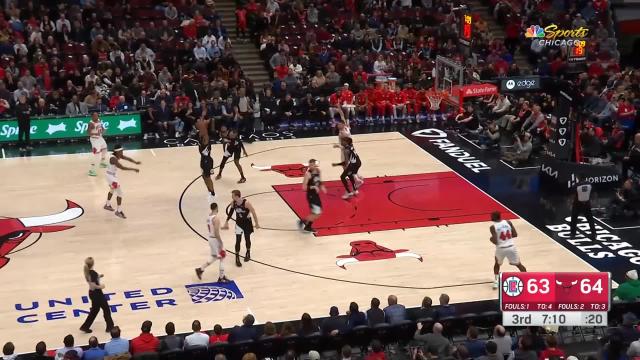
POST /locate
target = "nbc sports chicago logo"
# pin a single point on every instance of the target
(157, 298)
(552, 35)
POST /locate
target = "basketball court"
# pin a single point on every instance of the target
(416, 229)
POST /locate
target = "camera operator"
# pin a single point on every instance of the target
(520, 151)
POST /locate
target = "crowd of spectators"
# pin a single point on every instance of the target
(73, 57)
(435, 336)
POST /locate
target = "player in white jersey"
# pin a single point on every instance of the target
(215, 244)
(502, 234)
(112, 179)
(96, 131)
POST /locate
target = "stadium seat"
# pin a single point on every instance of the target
(237, 350)
(293, 342)
(403, 331)
(383, 333)
(312, 342)
(196, 353)
(218, 348)
(146, 356)
(271, 347)
(172, 355)
(427, 323)
(359, 336)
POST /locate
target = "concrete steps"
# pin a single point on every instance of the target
(245, 53)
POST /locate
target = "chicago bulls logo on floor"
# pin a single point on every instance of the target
(13, 231)
(366, 250)
(288, 170)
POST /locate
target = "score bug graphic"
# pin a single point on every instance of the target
(567, 299)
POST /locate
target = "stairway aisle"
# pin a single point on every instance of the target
(497, 31)
(245, 53)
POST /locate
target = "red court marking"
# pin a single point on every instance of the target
(396, 202)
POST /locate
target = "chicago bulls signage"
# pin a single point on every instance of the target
(366, 250)
(13, 231)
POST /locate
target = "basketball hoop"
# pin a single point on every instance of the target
(435, 99)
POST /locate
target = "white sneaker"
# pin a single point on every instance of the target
(495, 284)
(211, 198)
(347, 195)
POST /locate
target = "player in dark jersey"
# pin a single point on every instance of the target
(234, 147)
(312, 184)
(244, 225)
(351, 166)
(206, 161)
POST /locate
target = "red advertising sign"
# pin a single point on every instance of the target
(478, 90)
(555, 291)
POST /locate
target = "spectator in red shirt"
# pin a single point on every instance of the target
(552, 349)
(281, 71)
(346, 99)
(377, 351)
(218, 336)
(146, 342)
(241, 22)
(626, 115)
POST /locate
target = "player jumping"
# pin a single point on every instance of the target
(235, 148)
(312, 184)
(502, 234)
(96, 130)
(206, 161)
(112, 179)
(244, 225)
(215, 244)
(351, 166)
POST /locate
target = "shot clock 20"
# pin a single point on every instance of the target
(560, 299)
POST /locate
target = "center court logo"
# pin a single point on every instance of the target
(554, 36)
(157, 298)
(213, 292)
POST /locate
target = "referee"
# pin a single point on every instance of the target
(582, 206)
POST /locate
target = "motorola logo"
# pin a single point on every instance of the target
(511, 84)
(516, 84)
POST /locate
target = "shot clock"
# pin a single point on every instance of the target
(557, 299)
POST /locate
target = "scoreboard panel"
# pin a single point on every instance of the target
(563, 299)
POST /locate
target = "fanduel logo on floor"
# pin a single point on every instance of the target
(439, 138)
(157, 298)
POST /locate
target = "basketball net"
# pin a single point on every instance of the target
(435, 99)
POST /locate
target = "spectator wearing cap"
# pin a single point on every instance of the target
(68, 342)
(8, 351)
(333, 324)
(394, 312)
(629, 290)
(375, 315)
(171, 341)
(145, 342)
(117, 345)
(552, 350)
(197, 338)
(94, 352)
(244, 332)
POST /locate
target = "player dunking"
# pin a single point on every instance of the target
(312, 184)
(234, 147)
(96, 130)
(206, 161)
(351, 167)
(244, 225)
(502, 234)
(215, 244)
(112, 179)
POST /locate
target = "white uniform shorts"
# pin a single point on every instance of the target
(511, 253)
(114, 185)
(98, 144)
(214, 245)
